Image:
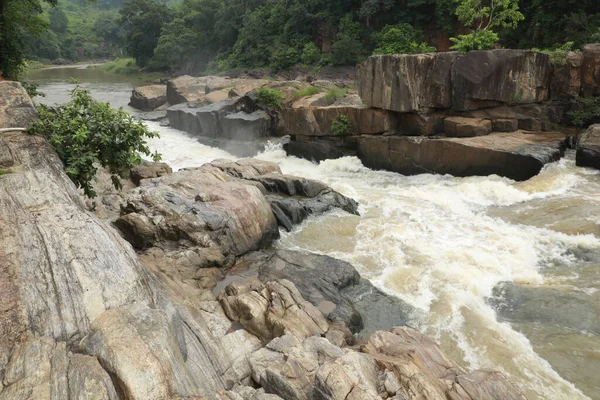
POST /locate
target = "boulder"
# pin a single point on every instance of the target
(148, 170)
(333, 286)
(16, 107)
(566, 79)
(517, 155)
(406, 83)
(421, 124)
(317, 149)
(148, 98)
(530, 124)
(467, 127)
(244, 126)
(590, 70)
(588, 148)
(316, 121)
(505, 125)
(184, 89)
(494, 77)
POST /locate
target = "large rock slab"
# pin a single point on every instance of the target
(566, 79)
(16, 107)
(331, 285)
(406, 83)
(148, 98)
(590, 72)
(493, 77)
(517, 155)
(588, 148)
(467, 127)
(316, 121)
(203, 90)
(245, 126)
(317, 149)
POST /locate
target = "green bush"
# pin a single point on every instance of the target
(284, 57)
(401, 39)
(341, 126)
(585, 111)
(348, 48)
(308, 91)
(122, 66)
(269, 97)
(334, 94)
(86, 133)
(558, 55)
(481, 40)
(311, 54)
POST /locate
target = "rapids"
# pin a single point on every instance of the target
(447, 246)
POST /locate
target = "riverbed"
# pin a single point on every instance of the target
(507, 273)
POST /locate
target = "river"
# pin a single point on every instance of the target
(507, 273)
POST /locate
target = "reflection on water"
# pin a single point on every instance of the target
(446, 245)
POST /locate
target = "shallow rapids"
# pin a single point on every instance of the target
(446, 245)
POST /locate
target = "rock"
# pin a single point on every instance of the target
(518, 155)
(590, 70)
(406, 83)
(16, 108)
(319, 149)
(493, 77)
(530, 124)
(272, 310)
(467, 127)
(505, 125)
(148, 98)
(335, 288)
(316, 121)
(354, 376)
(244, 126)
(588, 148)
(566, 79)
(421, 124)
(148, 170)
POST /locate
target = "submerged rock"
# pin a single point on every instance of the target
(518, 155)
(588, 148)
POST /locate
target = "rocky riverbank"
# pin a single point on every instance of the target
(486, 112)
(84, 315)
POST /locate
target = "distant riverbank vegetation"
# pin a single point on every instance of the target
(197, 36)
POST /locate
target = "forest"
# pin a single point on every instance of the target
(220, 35)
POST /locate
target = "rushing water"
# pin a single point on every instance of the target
(446, 245)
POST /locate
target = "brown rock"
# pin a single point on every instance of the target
(530, 124)
(492, 77)
(588, 148)
(148, 170)
(505, 125)
(590, 72)
(515, 155)
(148, 98)
(467, 127)
(406, 83)
(420, 124)
(16, 108)
(566, 79)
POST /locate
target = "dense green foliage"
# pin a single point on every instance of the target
(585, 111)
(482, 18)
(308, 91)
(334, 93)
(269, 97)
(87, 134)
(122, 66)
(401, 39)
(221, 35)
(341, 126)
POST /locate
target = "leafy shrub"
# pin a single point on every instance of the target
(122, 66)
(334, 94)
(347, 48)
(284, 57)
(585, 111)
(481, 40)
(311, 54)
(32, 89)
(401, 39)
(308, 91)
(269, 97)
(558, 55)
(341, 126)
(86, 133)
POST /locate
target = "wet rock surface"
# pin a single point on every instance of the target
(588, 148)
(517, 155)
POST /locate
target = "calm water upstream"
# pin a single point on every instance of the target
(508, 274)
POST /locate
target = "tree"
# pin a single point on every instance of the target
(18, 18)
(481, 17)
(58, 20)
(143, 20)
(86, 133)
(401, 39)
(348, 48)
